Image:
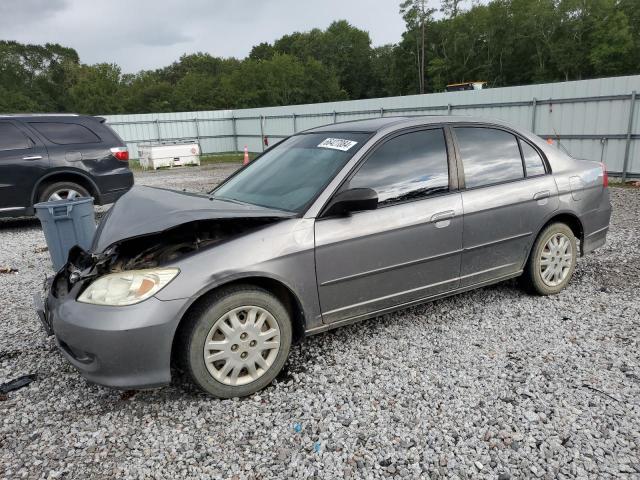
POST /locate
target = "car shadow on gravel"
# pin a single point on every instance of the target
(19, 223)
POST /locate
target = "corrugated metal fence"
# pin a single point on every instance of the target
(591, 119)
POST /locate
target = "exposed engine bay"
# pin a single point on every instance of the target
(153, 250)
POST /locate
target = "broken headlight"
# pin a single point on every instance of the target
(127, 287)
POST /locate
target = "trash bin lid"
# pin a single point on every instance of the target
(63, 202)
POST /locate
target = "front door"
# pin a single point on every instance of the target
(23, 159)
(406, 250)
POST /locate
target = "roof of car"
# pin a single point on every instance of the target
(36, 115)
(376, 124)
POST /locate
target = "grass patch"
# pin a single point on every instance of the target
(628, 184)
(208, 159)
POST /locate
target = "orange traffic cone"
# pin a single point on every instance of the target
(246, 156)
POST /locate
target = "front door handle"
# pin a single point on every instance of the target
(443, 219)
(32, 157)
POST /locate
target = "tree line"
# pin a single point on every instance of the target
(502, 42)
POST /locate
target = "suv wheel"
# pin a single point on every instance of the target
(236, 342)
(63, 191)
(552, 260)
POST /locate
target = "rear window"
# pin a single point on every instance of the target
(65, 133)
(489, 156)
(11, 138)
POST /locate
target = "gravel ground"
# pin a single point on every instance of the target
(488, 384)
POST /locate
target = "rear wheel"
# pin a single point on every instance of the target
(235, 342)
(552, 260)
(63, 191)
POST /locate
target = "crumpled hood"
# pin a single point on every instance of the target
(146, 210)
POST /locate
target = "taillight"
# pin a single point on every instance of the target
(605, 176)
(121, 153)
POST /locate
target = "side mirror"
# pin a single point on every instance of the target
(352, 200)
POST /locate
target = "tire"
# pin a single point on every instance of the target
(541, 279)
(63, 190)
(240, 342)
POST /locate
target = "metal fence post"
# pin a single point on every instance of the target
(449, 107)
(262, 132)
(295, 127)
(158, 129)
(381, 112)
(534, 106)
(195, 122)
(627, 148)
(234, 132)
(335, 116)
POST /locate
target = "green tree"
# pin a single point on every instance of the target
(417, 15)
(145, 92)
(613, 45)
(34, 75)
(283, 80)
(95, 90)
(341, 47)
(262, 51)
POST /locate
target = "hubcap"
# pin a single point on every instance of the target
(65, 194)
(556, 260)
(242, 345)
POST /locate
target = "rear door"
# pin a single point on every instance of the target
(504, 203)
(406, 250)
(23, 160)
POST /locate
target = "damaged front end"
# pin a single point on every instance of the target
(149, 251)
(148, 228)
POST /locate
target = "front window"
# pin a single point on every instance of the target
(407, 167)
(294, 172)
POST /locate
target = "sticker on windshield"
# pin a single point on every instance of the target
(337, 144)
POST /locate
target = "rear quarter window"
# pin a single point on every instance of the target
(65, 133)
(532, 160)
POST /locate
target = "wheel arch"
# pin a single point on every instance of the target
(278, 288)
(568, 218)
(66, 175)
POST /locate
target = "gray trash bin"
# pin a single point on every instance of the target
(66, 223)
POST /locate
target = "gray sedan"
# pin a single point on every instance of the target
(332, 225)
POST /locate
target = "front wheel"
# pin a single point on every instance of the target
(236, 342)
(552, 260)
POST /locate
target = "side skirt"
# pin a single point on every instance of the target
(350, 320)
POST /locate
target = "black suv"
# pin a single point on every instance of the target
(53, 157)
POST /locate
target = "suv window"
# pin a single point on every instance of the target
(11, 138)
(409, 166)
(532, 160)
(65, 133)
(488, 155)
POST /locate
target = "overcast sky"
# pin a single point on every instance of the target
(144, 34)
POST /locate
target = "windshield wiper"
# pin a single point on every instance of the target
(230, 200)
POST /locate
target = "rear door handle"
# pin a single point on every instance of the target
(443, 219)
(541, 195)
(32, 157)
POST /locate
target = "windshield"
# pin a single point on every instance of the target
(292, 173)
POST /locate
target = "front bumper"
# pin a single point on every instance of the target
(120, 347)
